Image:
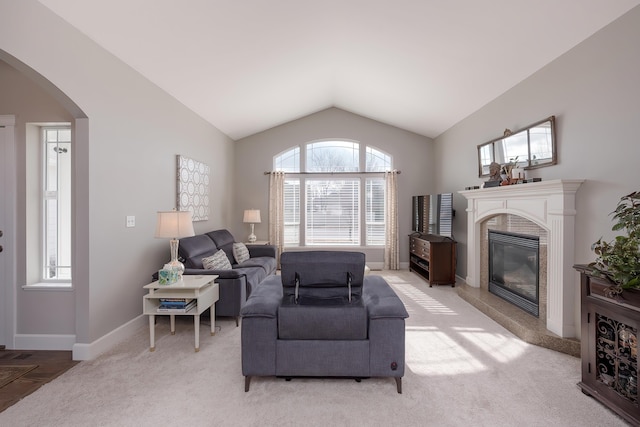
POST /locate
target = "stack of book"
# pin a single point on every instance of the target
(176, 305)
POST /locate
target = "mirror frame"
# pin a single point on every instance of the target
(523, 132)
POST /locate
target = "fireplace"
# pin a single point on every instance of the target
(551, 206)
(514, 266)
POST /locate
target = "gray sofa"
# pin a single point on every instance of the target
(361, 338)
(237, 283)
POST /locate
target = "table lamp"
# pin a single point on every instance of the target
(252, 216)
(174, 225)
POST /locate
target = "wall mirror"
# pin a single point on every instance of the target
(534, 147)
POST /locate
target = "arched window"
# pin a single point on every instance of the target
(328, 199)
(288, 161)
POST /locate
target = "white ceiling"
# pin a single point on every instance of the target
(421, 65)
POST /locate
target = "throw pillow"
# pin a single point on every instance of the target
(217, 261)
(240, 252)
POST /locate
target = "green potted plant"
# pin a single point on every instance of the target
(619, 260)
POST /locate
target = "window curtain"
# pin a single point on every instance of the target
(391, 252)
(276, 212)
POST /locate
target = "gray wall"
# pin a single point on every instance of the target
(124, 166)
(412, 155)
(594, 92)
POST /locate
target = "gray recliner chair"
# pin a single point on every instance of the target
(323, 318)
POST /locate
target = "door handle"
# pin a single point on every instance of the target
(1, 248)
(0, 233)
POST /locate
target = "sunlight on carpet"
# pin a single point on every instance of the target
(499, 347)
(423, 300)
(431, 352)
(450, 348)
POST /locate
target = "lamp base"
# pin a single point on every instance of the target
(174, 263)
(252, 237)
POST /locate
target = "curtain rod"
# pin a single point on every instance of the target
(331, 173)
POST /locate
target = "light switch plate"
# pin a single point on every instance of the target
(131, 221)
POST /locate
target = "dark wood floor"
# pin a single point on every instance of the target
(51, 364)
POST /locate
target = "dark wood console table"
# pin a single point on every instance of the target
(609, 346)
(433, 258)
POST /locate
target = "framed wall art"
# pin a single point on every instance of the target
(193, 187)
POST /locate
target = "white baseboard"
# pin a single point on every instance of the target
(80, 351)
(44, 342)
(104, 343)
(375, 265)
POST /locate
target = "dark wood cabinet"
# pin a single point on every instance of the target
(433, 257)
(609, 346)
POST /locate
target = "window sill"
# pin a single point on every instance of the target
(49, 286)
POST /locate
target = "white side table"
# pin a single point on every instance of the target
(257, 243)
(201, 288)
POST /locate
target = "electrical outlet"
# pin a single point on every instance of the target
(131, 221)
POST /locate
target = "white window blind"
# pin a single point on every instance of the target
(291, 212)
(374, 209)
(332, 212)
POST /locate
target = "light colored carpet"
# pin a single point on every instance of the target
(463, 369)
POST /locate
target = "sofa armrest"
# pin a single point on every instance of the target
(262, 251)
(380, 299)
(386, 328)
(259, 332)
(265, 300)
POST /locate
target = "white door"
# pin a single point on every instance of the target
(8, 187)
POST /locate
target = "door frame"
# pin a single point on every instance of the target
(8, 189)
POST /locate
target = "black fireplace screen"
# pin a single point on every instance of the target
(514, 261)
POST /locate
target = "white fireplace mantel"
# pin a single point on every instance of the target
(551, 205)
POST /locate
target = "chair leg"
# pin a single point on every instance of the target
(237, 321)
(247, 381)
(399, 384)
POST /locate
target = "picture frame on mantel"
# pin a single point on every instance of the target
(193, 187)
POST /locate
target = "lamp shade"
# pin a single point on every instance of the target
(252, 216)
(174, 225)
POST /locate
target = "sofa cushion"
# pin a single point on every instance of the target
(322, 268)
(240, 252)
(223, 239)
(192, 249)
(217, 261)
(268, 264)
(298, 322)
(322, 277)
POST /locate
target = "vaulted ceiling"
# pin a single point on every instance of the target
(421, 65)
